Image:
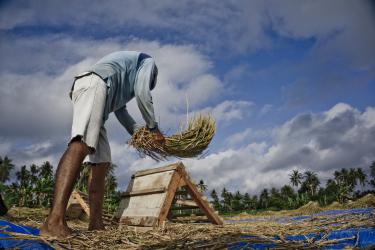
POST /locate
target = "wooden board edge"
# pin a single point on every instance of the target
(173, 166)
(171, 190)
(203, 205)
(82, 202)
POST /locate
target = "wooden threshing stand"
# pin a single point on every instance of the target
(78, 208)
(152, 194)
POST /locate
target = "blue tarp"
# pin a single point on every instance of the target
(359, 237)
(6, 226)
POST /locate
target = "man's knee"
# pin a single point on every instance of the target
(79, 147)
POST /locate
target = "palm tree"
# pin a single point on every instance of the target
(372, 173)
(46, 170)
(226, 200)
(45, 184)
(237, 203)
(247, 202)
(264, 198)
(312, 182)
(361, 177)
(296, 178)
(215, 200)
(352, 178)
(6, 167)
(286, 192)
(23, 177)
(201, 186)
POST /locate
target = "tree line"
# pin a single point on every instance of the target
(345, 184)
(33, 186)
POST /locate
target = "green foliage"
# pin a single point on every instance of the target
(111, 196)
(33, 186)
(372, 173)
(215, 200)
(6, 167)
(343, 186)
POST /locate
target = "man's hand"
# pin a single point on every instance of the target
(158, 136)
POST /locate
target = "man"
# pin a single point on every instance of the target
(106, 87)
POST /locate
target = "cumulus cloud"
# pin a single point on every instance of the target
(230, 110)
(238, 25)
(36, 72)
(322, 142)
(36, 110)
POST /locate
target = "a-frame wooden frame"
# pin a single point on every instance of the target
(149, 196)
(79, 204)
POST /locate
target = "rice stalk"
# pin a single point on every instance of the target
(188, 143)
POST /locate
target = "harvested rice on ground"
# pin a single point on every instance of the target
(309, 208)
(186, 144)
(201, 236)
(366, 201)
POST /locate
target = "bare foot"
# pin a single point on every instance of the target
(96, 226)
(59, 230)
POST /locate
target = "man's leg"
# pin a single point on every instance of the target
(96, 194)
(66, 176)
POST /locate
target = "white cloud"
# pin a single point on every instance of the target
(245, 136)
(322, 142)
(37, 111)
(230, 110)
(231, 26)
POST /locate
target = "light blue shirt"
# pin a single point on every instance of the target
(128, 74)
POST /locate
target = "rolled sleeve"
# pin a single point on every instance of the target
(143, 93)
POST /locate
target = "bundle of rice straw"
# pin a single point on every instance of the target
(186, 144)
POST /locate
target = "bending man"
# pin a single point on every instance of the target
(106, 87)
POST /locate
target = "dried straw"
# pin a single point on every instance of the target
(186, 144)
(207, 236)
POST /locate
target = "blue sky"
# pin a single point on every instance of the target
(290, 83)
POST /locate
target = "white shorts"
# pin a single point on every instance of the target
(89, 96)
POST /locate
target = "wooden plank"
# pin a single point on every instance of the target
(173, 166)
(182, 183)
(185, 208)
(172, 187)
(149, 205)
(80, 200)
(150, 194)
(144, 192)
(190, 203)
(141, 205)
(189, 215)
(152, 181)
(145, 221)
(74, 211)
(190, 219)
(203, 204)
